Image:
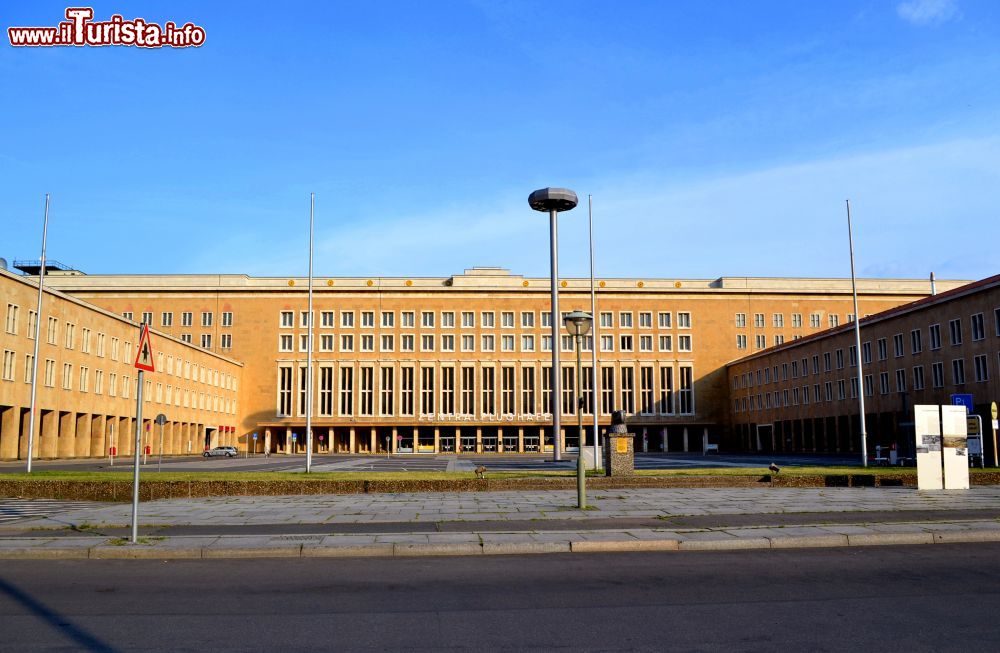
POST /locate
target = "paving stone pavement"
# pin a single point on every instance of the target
(511, 522)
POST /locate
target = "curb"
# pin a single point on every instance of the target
(401, 550)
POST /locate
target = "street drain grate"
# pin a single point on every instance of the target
(298, 538)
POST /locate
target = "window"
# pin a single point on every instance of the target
(50, 372)
(646, 343)
(758, 320)
(741, 320)
(683, 320)
(426, 343)
(226, 340)
(12, 314)
(100, 345)
(8, 365)
(883, 350)
(166, 319)
(607, 343)
(406, 391)
(367, 342)
(469, 390)
(625, 344)
(852, 355)
(935, 331)
(667, 343)
(869, 386)
(761, 341)
(666, 391)
(346, 390)
(506, 343)
(426, 390)
(386, 386)
(607, 320)
(628, 389)
(665, 322)
(982, 373)
(815, 363)
(958, 371)
(448, 343)
(778, 320)
(468, 343)
(527, 343)
(840, 390)
(206, 341)
(286, 319)
(797, 320)
(347, 319)
(70, 332)
(937, 375)
(686, 391)
(840, 358)
(779, 340)
(346, 342)
(814, 320)
(489, 342)
(186, 337)
(388, 319)
(507, 319)
(448, 387)
(955, 329)
(897, 345)
(528, 390)
(645, 320)
(127, 315)
(206, 319)
(406, 319)
(683, 343)
(527, 320)
(900, 381)
(427, 319)
(996, 320)
(325, 320)
(303, 342)
(866, 352)
(488, 376)
(568, 391)
(826, 362)
(834, 320)
(488, 320)
(468, 319)
(52, 331)
(625, 320)
(386, 343)
(918, 377)
(325, 341)
(978, 327)
(367, 319)
(916, 342)
(285, 342)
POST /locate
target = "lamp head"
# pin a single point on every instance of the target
(552, 199)
(578, 323)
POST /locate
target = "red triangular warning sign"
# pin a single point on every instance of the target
(144, 355)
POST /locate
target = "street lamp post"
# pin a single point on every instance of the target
(578, 324)
(554, 201)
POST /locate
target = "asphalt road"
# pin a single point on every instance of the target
(919, 598)
(415, 462)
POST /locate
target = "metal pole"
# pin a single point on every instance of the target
(38, 324)
(135, 463)
(581, 473)
(857, 343)
(555, 320)
(159, 462)
(309, 343)
(111, 448)
(596, 337)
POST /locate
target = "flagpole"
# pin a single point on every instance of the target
(309, 340)
(857, 343)
(38, 323)
(596, 336)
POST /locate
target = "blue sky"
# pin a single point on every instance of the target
(717, 138)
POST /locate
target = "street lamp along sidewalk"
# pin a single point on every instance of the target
(578, 324)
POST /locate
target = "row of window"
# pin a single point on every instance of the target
(487, 343)
(795, 396)
(465, 390)
(225, 340)
(187, 318)
(778, 320)
(93, 381)
(487, 319)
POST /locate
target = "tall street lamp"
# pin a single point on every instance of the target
(578, 324)
(554, 200)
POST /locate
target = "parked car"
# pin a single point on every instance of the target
(228, 452)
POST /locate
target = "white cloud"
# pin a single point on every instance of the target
(927, 12)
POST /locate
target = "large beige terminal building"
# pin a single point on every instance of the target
(460, 363)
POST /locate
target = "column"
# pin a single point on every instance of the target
(9, 433)
(520, 439)
(25, 428)
(267, 440)
(437, 440)
(83, 435)
(373, 441)
(664, 432)
(288, 440)
(353, 441)
(479, 439)
(562, 435)
(458, 439)
(48, 437)
(416, 439)
(329, 440)
(499, 439)
(685, 439)
(66, 435)
(395, 438)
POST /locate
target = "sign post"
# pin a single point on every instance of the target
(993, 413)
(254, 446)
(144, 363)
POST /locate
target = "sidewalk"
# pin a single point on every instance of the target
(508, 522)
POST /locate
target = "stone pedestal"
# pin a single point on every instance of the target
(619, 454)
